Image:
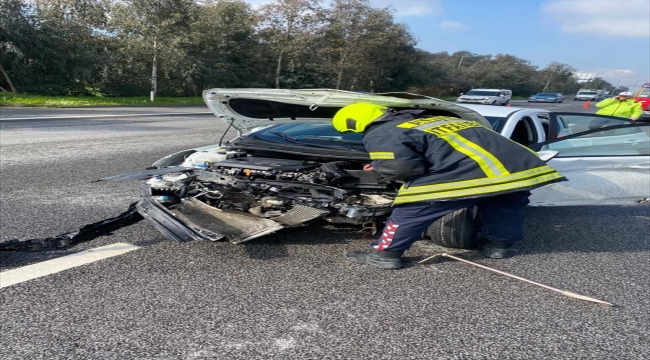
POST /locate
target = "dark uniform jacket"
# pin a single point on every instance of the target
(447, 158)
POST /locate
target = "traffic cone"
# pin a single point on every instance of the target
(587, 105)
(509, 105)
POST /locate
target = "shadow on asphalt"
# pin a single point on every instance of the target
(605, 229)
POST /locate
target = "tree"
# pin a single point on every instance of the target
(15, 27)
(287, 27)
(52, 45)
(557, 77)
(364, 47)
(596, 83)
(220, 54)
(180, 47)
(159, 25)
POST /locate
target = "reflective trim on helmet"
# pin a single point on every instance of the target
(350, 124)
(382, 155)
(357, 117)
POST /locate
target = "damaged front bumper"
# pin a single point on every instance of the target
(164, 221)
(193, 220)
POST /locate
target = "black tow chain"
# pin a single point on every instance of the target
(68, 240)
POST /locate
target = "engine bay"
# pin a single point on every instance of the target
(243, 197)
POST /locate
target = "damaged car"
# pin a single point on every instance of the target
(288, 167)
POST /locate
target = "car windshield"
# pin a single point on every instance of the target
(496, 122)
(587, 93)
(311, 134)
(482, 93)
(546, 95)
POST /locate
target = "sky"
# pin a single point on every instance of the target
(610, 38)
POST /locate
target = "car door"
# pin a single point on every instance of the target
(565, 123)
(608, 165)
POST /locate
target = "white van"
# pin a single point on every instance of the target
(486, 96)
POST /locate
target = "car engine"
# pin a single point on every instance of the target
(287, 192)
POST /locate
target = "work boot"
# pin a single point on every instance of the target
(386, 259)
(494, 249)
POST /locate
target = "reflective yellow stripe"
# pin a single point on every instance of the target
(477, 182)
(479, 190)
(488, 163)
(382, 155)
(425, 121)
(441, 129)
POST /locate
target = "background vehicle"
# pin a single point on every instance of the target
(486, 97)
(547, 97)
(589, 94)
(643, 96)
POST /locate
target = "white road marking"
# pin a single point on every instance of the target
(98, 116)
(30, 272)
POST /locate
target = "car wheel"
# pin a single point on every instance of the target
(454, 230)
(561, 101)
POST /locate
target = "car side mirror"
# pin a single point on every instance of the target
(547, 155)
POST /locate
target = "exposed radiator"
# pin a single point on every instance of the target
(299, 214)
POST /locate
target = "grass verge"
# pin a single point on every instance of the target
(9, 99)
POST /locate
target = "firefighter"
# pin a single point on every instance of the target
(445, 163)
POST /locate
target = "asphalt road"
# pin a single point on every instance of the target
(291, 295)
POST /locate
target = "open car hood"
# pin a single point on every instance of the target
(249, 108)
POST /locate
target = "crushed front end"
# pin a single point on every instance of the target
(243, 198)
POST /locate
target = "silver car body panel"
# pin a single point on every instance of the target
(612, 180)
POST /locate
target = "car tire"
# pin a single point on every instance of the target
(454, 230)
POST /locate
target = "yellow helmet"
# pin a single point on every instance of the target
(357, 117)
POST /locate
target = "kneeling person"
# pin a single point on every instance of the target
(445, 164)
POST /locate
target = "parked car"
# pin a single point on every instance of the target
(547, 97)
(589, 95)
(643, 96)
(486, 97)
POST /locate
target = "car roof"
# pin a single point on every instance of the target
(498, 111)
(490, 89)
